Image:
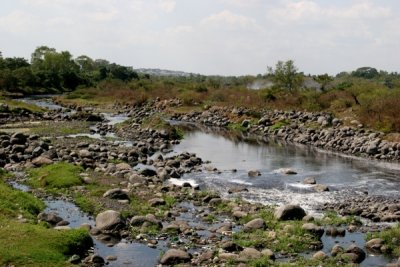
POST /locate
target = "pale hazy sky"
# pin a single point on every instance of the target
(228, 37)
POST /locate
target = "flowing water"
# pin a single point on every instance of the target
(343, 175)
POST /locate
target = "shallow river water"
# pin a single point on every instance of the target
(342, 174)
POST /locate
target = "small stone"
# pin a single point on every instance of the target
(309, 180)
(111, 258)
(337, 249)
(156, 202)
(254, 173)
(320, 255)
(321, 188)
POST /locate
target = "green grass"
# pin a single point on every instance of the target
(156, 122)
(56, 176)
(14, 202)
(35, 245)
(87, 204)
(139, 206)
(332, 218)
(236, 127)
(294, 240)
(279, 124)
(30, 244)
(19, 106)
(56, 129)
(391, 239)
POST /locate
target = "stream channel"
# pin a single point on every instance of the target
(233, 158)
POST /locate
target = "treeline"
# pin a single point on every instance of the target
(369, 95)
(50, 71)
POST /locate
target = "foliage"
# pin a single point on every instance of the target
(285, 75)
(56, 176)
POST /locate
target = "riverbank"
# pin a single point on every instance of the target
(126, 186)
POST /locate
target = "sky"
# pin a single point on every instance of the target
(211, 37)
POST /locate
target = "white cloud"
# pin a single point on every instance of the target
(19, 22)
(308, 10)
(242, 3)
(208, 36)
(231, 20)
(167, 5)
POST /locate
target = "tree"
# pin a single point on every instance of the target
(323, 80)
(285, 75)
(38, 55)
(55, 69)
(365, 72)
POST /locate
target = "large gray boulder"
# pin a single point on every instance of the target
(175, 256)
(289, 212)
(109, 220)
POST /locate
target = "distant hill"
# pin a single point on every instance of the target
(160, 72)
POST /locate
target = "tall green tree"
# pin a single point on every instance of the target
(286, 75)
(55, 69)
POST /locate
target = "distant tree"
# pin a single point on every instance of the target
(15, 63)
(285, 75)
(85, 63)
(55, 69)
(323, 80)
(366, 73)
(38, 55)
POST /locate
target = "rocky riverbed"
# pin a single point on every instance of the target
(126, 185)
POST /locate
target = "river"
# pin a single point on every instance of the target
(233, 158)
(343, 175)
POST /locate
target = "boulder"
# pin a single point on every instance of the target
(109, 220)
(321, 188)
(229, 246)
(319, 255)
(309, 180)
(289, 212)
(354, 254)
(254, 173)
(269, 253)
(250, 254)
(123, 167)
(148, 172)
(175, 256)
(116, 193)
(84, 153)
(374, 244)
(287, 171)
(254, 225)
(41, 161)
(337, 249)
(50, 217)
(313, 229)
(156, 202)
